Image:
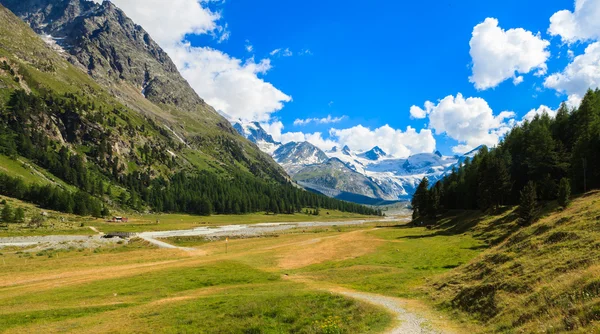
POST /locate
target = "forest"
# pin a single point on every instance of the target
(83, 156)
(543, 159)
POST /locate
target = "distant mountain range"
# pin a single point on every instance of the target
(365, 177)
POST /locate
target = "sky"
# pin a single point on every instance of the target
(409, 77)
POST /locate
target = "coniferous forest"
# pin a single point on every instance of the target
(539, 160)
(85, 159)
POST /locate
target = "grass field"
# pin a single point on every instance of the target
(471, 273)
(261, 285)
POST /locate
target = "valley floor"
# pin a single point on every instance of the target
(308, 279)
(472, 272)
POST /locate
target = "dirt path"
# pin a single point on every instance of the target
(407, 322)
(411, 316)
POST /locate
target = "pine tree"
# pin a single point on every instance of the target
(7, 214)
(564, 192)
(420, 200)
(19, 215)
(527, 210)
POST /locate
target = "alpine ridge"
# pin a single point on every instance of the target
(357, 176)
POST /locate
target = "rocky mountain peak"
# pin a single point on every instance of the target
(102, 40)
(346, 150)
(374, 154)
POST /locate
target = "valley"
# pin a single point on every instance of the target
(147, 184)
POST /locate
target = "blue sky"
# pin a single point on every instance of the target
(366, 65)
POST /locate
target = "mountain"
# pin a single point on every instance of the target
(122, 57)
(334, 178)
(98, 112)
(374, 154)
(357, 176)
(293, 155)
(256, 134)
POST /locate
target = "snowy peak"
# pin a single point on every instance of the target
(473, 152)
(346, 150)
(303, 153)
(254, 132)
(374, 154)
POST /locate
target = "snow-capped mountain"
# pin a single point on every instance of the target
(256, 134)
(372, 174)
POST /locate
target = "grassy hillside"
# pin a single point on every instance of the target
(124, 150)
(541, 278)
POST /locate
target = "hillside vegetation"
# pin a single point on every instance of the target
(543, 278)
(110, 153)
(536, 155)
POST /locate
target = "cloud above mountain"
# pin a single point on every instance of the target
(470, 121)
(360, 138)
(325, 120)
(234, 86)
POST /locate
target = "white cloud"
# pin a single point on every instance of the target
(518, 80)
(282, 52)
(470, 121)
(249, 47)
(228, 84)
(169, 21)
(580, 75)
(574, 101)
(394, 141)
(305, 52)
(231, 85)
(499, 54)
(539, 111)
(580, 25)
(325, 120)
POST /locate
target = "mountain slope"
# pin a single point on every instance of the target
(544, 278)
(102, 41)
(107, 154)
(335, 176)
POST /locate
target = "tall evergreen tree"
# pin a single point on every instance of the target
(7, 214)
(527, 210)
(564, 192)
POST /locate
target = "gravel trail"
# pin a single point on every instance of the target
(408, 323)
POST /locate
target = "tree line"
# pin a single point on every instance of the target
(539, 160)
(25, 130)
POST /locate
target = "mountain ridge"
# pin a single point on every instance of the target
(372, 174)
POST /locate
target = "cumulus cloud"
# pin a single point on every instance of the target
(499, 54)
(470, 121)
(228, 84)
(171, 21)
(394, 141)
(325, 120)
(233, 86)
(580, 25)
(580, 75)
(539, 111)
